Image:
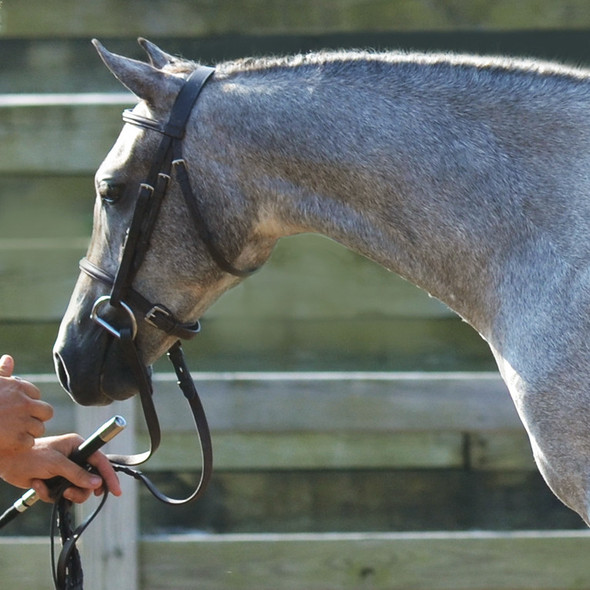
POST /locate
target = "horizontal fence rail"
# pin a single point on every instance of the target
(388, 561)
(189, 18)
(334, 420)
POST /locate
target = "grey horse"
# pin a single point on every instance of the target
(470, 177)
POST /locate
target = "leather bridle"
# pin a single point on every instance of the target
(132, 305)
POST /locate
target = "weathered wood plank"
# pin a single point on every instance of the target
(502, 450)
(334, 421)
(25, 563)
(36, 284)
(305, 450)
(429, 561)
(334, 402)
(183, 17)
(67, 133)
(34, 208)
(388, 561)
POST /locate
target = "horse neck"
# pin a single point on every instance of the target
(421, 167)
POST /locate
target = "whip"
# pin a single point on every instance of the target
(80, 456)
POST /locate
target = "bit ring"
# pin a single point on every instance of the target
(99, 304)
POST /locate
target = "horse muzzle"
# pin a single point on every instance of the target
(90, 366)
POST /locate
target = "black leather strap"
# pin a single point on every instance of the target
(170, 152)
(189, 390)
(202, 228)
(154, 313)
(185, 101)
(146, 397)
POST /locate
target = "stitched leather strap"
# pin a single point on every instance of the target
(154, 313)
(203, 230)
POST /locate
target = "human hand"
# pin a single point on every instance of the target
(22, 413)
(48, 458)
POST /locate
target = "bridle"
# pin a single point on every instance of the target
(167, 158)
(133, 305)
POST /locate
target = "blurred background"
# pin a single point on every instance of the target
(315, 307)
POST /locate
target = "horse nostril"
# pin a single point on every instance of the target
(61, 371)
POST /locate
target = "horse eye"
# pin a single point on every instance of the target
(110, 192)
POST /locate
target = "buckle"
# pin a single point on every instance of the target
(157, 311)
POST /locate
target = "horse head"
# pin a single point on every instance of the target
(182, 265)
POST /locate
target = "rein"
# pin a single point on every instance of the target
(129, 306)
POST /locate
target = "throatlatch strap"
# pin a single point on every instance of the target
(199, 222)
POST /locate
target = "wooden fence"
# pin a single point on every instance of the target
(325, 421)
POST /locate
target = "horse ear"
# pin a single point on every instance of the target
(144, 80)
(158, 58)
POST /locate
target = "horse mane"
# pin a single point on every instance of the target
(365, 57)
(377, 62)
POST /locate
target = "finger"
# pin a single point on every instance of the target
(6, 365)
(35, 428)
(109, 476)
(81, 478)
(29, 389)
(76, 495)
(41, 410)
(41, 489)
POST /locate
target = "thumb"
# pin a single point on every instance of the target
(6, 365)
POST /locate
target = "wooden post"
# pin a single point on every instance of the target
(109, 546)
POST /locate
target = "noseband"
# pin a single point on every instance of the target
(130, 306)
